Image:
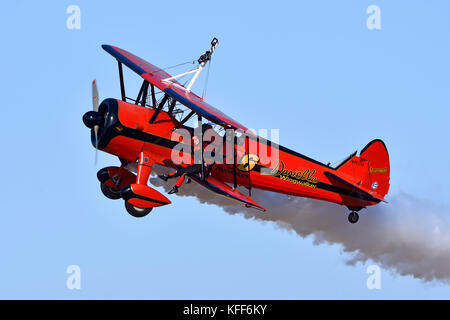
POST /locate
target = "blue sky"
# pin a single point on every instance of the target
(279, 64)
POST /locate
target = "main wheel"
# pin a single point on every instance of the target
(136, 211)
(353, 217)
(109, 193)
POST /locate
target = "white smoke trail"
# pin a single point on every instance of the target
(408, 235)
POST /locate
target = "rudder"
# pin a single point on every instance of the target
(371, 169)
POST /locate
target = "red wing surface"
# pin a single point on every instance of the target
(221, 188)
(155, 75)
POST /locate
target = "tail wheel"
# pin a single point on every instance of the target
(109, 193)
(353, 217)
(136, 211)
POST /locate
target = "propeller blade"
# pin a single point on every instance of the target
(94, 96)
(95, 108)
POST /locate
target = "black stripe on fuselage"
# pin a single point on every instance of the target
(170, 144)
(328, 187)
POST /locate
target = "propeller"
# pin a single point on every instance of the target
(95, 108)
(94, 119)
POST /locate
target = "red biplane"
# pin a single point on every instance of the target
(145, 131)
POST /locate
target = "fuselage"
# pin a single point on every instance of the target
(126, 131)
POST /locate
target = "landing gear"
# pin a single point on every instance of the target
(119, 182)
(353, 217)
(136, 211)
(109, 193)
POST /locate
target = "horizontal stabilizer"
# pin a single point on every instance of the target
(366, 194)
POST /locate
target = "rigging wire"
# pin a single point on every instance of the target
(178, 65)
(205, 87)
(171, 67)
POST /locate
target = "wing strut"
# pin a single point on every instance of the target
(144, 92)
(140, 93)
(158, 110)
(234, 161)
(200, 138)
(153, 95)
(172, 105)
(122, 85)
(180, 124)
(248, 166)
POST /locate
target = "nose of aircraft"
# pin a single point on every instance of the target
(92, 118)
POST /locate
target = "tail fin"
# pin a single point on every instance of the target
(370, 170)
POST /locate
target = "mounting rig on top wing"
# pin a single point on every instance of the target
(204, 58)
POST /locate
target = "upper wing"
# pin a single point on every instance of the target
(223, 189)
(155, 75)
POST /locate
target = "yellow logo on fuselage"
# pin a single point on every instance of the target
(248, 162)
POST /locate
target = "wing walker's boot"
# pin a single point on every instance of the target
(181, 173)
(178, 184)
